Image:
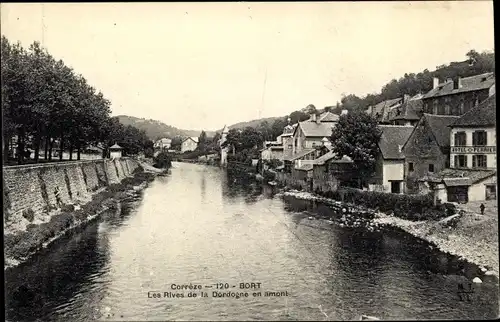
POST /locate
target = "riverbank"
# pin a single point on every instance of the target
(472, 237)
(23, 245)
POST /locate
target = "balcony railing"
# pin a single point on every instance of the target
(473, 149)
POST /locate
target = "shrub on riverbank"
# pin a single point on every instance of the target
(411, 207)
(162, 160)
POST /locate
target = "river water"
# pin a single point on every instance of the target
(202, 227)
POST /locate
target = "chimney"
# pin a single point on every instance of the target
(459, 82)
(400, 147)
(406, 98)
(449, 80)
(313, 117)
(344, 112)
(435, 82)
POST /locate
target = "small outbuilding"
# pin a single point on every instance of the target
(115, 151)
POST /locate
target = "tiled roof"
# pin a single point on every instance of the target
(292, 157)
(328, 117)
(305, 167)
(382, 108)
(194, 138)
(472, 83)
(313, 129)
(393, 139)
(409, 110)
(439, 125)
(459, 177)
(485, 114)
(115, 146)
(325, 157)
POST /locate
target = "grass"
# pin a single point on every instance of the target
(23, 244)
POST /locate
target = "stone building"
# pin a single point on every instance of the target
(427, 150)
(458, 96)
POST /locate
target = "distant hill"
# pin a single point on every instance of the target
(156, 129)
(254, 123)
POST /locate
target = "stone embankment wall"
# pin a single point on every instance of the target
(33, 193)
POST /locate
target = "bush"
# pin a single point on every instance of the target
(411, 207)
(162, 160)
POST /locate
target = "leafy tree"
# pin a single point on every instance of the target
(357, 135)
(162, 160)
(298, 116)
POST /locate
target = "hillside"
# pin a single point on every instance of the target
(156, 129)
(253, 123)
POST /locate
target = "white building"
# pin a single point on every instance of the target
(473, 157)
(189, 144)
(115, 151)
(390, 164)
(223, 151)
(163, 144)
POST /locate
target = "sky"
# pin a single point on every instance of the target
(203, 65)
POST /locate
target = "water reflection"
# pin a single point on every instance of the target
(200, 225)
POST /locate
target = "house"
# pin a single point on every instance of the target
(163, 144)
(272, 150)
(189, 144)
(472, 173)
(309, 134)
(458, 96)
(223, 151)
(115, 151)
(408, 112)
(382, 111)
(428, 149)
(329, 172)
(473, 143)
(390, 162)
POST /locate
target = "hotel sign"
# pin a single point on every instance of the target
(473, 149)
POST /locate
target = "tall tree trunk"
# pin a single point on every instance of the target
(61, 148)
(38, 139)
(20, 146)
(47, 143)
(6, 141)
(51, 146)
(78, 151)
(71, 150)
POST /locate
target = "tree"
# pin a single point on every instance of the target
(202, 142)
(298, 116)
(357, 135)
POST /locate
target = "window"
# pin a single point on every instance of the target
(461, 106)
(435, 106)
(479, 138)
(479, 161)
(460, 161)
(410, 166)
(460, 139)
(431, 167)
(447, 108)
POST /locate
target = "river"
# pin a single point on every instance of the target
(199, 226)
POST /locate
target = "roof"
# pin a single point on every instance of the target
(164, 140)
(459, 177)
(381, 107)
(93, 148)
(484, 114)
(329, 117)
(472, 83)
(292, 157)
(439, 125)
(409, 110)
(314, 129)
(194, 138)
(393, 139)
(225, 129)
(305, 167)
(116, 146)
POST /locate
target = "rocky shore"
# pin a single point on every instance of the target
(471, 238)
(21, 246)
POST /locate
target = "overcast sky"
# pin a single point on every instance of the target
(202, 65)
